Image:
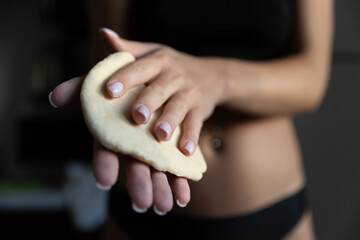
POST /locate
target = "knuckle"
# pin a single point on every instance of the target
(191, 89)
(156, 89)
(131, 72)
(180, 109)
(163, 55)
(179, 75)
(174, 114)
(139, 67)
(189, 96)
(181, 101)
(122, 76)
(128, 73)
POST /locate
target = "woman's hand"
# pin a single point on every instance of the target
(188, 90)
(145, 185)
(186, 86)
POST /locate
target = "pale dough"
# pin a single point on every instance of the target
(110, 122)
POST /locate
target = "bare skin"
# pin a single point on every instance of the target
(259, 161)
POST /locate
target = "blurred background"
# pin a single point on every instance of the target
(45, 191)
(46, 184)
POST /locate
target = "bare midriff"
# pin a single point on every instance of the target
(252, 163)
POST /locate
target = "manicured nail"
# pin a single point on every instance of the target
(110, 32)
(189, 146)
(158, 212)
(166, 128)
(51, 101)
(180, 204)
(102, 187)
(137, 209)
(116, 88)
(143, 111)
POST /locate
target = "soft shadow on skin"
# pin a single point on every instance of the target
(105, 92)
(226, 116)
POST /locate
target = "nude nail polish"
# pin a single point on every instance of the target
(116, 88)
(166, 129)
(143, 111)
(102, 187)
(180, 204)
(190, 146)
(51, 101)
(158, 212)
(137, 209)
(110, 32)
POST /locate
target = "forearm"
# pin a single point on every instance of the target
(290, 85)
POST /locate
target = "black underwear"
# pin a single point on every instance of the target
(272, 222)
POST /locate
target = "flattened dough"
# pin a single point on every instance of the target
(110, 122)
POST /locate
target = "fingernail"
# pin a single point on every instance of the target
(166, 128)
(51, 101)
(102, 187)
(189, 146)
(110, 32)
(116, 88)
(143, 111)
(181, 204)
(158, 212)
(137, 209)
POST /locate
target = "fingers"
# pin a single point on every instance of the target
(139, 185)
(178, 110)
(173, 114)
(153, 97)
(118, 44)
(133, 74)
(181, 190)
(147, 186)
(191, 127)
(163, 199)
(105, 166)
(67, 94)
(163, 88)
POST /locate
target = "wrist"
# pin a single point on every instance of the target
(217, 69)
(240, 82)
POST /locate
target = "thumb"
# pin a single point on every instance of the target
(118, 44)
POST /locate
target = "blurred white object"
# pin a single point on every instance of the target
(87, 203)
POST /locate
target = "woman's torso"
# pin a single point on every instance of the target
(259, 161)
(252, 162)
